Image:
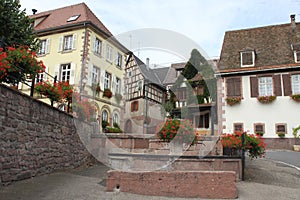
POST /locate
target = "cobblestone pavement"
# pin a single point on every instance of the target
(265, 179)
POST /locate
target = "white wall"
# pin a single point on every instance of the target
(250, 111)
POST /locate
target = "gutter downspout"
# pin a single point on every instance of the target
(82, 75)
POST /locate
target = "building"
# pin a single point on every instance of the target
(78, 48)
(144, 95)
(256, 66)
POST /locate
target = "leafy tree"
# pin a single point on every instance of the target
(15, 26)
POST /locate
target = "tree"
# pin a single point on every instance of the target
(15, 26)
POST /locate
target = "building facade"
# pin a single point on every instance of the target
(259, 72)
(76, 47)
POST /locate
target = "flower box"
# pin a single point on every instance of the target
(295, 97)
(233, 100)
(107, 93)
(266, 99)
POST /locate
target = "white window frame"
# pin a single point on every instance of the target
(295, 82)
(107, 80)
(65, 72)
(95, 74)
(119, 60)
(68, 43)
(109, 53)
(265, 86)
(297, 56)
(98, 46)
(116, 118)
(117, 85)
(104, 115)
(253, 58)
(42, 50)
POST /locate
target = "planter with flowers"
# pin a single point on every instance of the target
(233, 100)
(107, 93)
(179, 133)
(266, 99)
(297, 138)
(233, 145)
(49, 90)
(295, 97)
(281, 134)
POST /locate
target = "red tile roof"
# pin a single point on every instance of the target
(59, 18)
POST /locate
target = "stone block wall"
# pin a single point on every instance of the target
(35, 138)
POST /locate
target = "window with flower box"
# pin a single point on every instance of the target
(259, 128)
(280, 128)
(265, 86)
(233, 87)
(107, 80)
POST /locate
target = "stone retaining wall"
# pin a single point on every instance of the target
(35, 138)
(188, 184)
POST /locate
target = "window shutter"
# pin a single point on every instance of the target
(74, 41)
(277, 85)
(56, 72)
(60, 44)
(287, 87)
(47, 46)
(206, 120)
(102, 79)
(230, 87)
(90, 75)
(72, 74)
(113, 84)
(94, 43)
(131, 106)
(254, 86)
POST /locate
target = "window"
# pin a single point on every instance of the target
(73, 18)
(116, 118)
(297, 56)
(95, 75)
(97, 46)
(134, 106)
(140, 85)
(280, 128)
(42, 49)
(119, 60)
(117, 86)
(104, 115)
(233, 86)
(202, 121)
(259, 128)
(295, 84)
(65, 72)
(107, 79)
(265, 86)
(109, 53)
(238, 127)
(68, 41)
(247, 58)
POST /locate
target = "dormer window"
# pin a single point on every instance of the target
(247, 58)
(73, 18)
(297, 56)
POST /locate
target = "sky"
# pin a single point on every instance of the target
(203, 22)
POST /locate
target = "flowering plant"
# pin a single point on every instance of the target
(253, 144)
(295, 97)
(266, 99)
(233, 100)
(180, 130)
(17, 63)
(107, 93)
(83, 108)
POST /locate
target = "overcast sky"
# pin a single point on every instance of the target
(204, 22)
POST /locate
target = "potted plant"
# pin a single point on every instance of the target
(281, 134)
(295, 97)
(266, 99)
(259, 133)
(297, 138)
(233, 100)
(107, 93)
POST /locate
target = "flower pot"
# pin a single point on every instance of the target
(297, 147)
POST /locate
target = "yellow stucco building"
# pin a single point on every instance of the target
(77, 47)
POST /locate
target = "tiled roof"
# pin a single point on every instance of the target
(59, 18)
(161, 73)
(171, 76)
(272, 46)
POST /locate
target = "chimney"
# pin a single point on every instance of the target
(147, 63)
(293, 22)
(34, 11)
